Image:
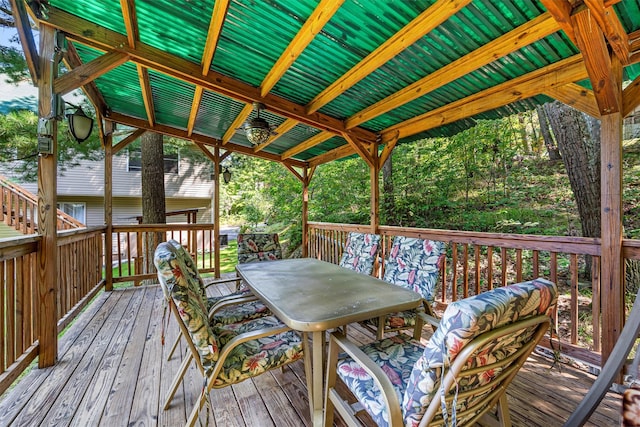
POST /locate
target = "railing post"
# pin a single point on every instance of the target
(107, 140)
(47, 218)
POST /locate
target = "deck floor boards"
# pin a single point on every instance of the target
(113, 371)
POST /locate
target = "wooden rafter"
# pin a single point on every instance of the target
(104, 39)
(611, 27)
(294, 172)
(72, 60)
(147, 94)
(424, 23)
(335, 154)
(239, 120)
(631, 97)
(560, 73)
(320, 16)
(195, 106)
(206, 140)
(525, 34)
(305, 145)
(561, 12)
(130, 21)
(213, 35)
(362, 151)
(577, 96)
(285, 127)
(591, 42)
(26, 38)
(88, 72)
(128, 140)
(386, 151)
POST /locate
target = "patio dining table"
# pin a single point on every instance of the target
(313, 296)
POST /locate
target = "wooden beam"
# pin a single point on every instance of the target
(361, 150)
(206, 140)
(285, 127)
(557, 74)
(127, 140)
(128, 8)
(102, 38)
(335, 154)
(88, 72)
(294, 172)
(147, 94)
(611, 27)
(592, 44)
(213, 35)
(387, 150)
(237, 123)
(26, 39)
(524, 35)
(561, 12)
(424, 23)
(305, 145)
(195, 107)
(375, 194)
(72, 60)
(46, 300)
(631, 97)
(312, 26)
(577, 96)
(216, 209)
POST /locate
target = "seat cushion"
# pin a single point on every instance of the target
(396, 356)
(402, 319)
(256, 356)
(239, 312)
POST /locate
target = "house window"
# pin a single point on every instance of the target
(74, 209)
(171, 161)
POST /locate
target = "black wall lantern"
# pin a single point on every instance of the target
(80, 125)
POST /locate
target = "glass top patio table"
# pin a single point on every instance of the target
(310, 295)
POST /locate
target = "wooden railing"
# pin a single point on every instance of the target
(476, 262)
(19, 209)
(133, 247)
(18, 303)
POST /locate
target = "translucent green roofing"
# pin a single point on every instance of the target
(171, 38)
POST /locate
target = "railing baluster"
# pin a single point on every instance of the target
(476, 271)
(489, 267)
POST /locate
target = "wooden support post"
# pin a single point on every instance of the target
(47, 209)
(216, 211)
(107, 143)
(305, 212)
(375, 189)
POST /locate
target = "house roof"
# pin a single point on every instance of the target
(338, 76)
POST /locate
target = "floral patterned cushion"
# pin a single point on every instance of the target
(229, 314)
(400, 320)
(256, 356)
(461, 322)
(396, 356)
(360, 252)
(258, 247)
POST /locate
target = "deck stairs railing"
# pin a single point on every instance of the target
(19, 210)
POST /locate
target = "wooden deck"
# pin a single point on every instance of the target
(112, 371)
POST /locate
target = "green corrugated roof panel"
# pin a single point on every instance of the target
(627, 10)
(216, 114)
(298, 134)
(106, 13)
(177, 27)
(249, 27)
(172, 99)
(120, 87)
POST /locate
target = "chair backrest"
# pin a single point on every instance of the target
(360, 251)
(256, 247)
(185, 292)
(192, 269)
(491, 334)
(414, 264)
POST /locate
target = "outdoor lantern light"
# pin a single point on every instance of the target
(80, 125)
(257, 129)
(226, 175)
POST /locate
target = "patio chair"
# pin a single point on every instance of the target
(413, 264)
(224, 354)
(461, 374)
(360, 251)
(230, 308)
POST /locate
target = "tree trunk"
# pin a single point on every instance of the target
(388, 198)
(552, 148)
(153, 197)
(578, 138)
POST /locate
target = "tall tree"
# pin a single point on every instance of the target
(550, 144)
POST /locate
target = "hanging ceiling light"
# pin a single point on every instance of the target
(258, 129)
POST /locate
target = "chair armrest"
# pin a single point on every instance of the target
(220, 281)
(377, 374)
(426, 318)
(231, 300)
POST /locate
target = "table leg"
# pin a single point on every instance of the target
(318, 368)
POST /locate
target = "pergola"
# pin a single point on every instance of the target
(337, 78)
